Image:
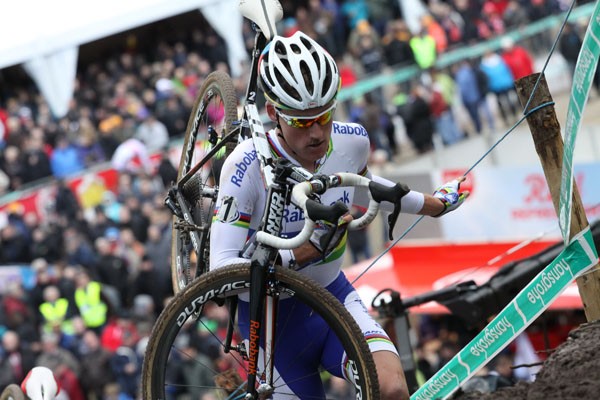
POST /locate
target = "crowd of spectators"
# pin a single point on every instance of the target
(138, 98)
(142, 92)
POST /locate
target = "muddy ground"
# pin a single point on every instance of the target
(571, 372)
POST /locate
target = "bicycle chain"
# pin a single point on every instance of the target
(187, 227)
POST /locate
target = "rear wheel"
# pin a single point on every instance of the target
(212, 119)
(185, 353)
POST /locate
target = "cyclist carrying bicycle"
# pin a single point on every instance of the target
(300, 81)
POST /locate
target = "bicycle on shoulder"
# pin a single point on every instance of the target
(273, 316)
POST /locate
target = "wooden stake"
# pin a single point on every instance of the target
(545, 130)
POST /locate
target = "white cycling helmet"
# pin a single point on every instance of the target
(297, 73)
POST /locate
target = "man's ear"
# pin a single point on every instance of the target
(271, 112)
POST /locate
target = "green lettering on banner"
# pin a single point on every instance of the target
(579, 256)
(582, 81)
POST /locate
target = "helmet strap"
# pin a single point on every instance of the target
(280, 135)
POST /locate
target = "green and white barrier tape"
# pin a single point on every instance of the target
(582, 82)
(579, 256)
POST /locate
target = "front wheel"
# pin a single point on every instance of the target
(185, 354)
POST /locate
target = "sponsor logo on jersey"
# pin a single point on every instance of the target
(349, 129)
(242, 167)
(293, 214)
(344, 198)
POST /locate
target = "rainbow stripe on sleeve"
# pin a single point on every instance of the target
(243, 221)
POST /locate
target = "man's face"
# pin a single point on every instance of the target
(306, 133)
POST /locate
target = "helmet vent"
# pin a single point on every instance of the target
(290, 90)
(295, 48)
(307, 44)
(327, 81)
(306, 76)
(280, 48)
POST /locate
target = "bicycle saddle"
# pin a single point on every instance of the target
(264, 13)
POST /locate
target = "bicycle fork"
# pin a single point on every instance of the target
(263, 311)
(263, 305)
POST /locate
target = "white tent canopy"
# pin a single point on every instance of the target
(45, 35)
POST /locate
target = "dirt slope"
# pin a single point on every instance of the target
(572, 372)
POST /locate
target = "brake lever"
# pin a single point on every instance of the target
(394, 195)
(392, 219)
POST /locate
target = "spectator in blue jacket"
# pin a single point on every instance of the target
(472, 93)
(65, 159)
(501, 84)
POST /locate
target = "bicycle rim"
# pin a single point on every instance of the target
(189, 315)
(216, 107)
(12, 392)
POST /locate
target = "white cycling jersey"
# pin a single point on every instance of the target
(242, 197)
(238, 213)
